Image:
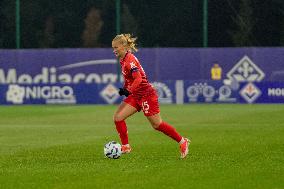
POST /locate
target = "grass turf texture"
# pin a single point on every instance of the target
(233, 146)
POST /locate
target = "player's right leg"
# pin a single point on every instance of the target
(152, 112)
(124, 110)
(184, 145)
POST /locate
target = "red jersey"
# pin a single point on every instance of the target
(136, 83)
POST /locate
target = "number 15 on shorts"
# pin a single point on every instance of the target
(145, 107)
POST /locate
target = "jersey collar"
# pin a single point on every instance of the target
(125, 56)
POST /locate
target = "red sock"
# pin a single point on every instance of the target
(170, 131)
(122, 131)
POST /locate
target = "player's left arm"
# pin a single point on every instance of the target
(137, 80)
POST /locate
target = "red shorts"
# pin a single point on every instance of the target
(148, 104)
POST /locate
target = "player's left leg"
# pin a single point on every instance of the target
(125, 109)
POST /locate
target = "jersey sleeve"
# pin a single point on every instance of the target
(137, 80)
(133, 68)
(133, 65)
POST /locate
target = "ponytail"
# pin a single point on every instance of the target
(128, 41)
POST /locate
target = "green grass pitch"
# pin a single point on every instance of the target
(60, 147)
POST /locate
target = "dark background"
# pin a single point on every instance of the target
(161, 23)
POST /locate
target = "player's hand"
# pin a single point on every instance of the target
(124, 92)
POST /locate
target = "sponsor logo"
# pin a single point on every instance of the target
(132, 65)
(15, 94)
(51, 94)
(225, 93)
(110, 94)
(165, 94)
(195, 90)
(50, 75)
(250, 92)
(222, 94)
(246, 70)
(278, 92)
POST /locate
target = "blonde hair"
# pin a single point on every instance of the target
(127, 41)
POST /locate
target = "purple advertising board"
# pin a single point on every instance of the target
(186, 72)
(170, 92)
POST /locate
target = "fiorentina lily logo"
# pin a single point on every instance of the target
(246, 70)
(250, 92)
(110, 94)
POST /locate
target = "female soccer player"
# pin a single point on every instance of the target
(139, 95)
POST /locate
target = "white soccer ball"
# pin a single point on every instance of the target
(112, 150)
